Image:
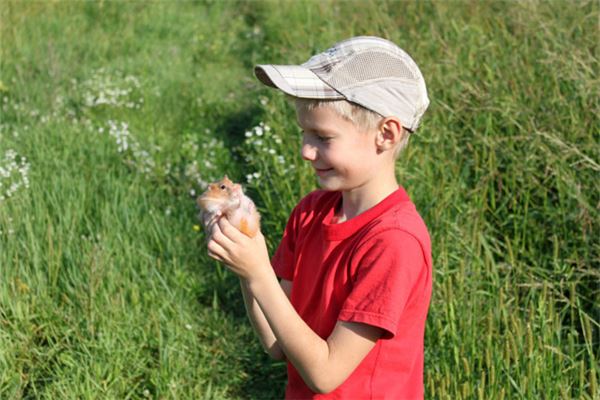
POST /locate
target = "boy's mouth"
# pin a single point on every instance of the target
(322, 171)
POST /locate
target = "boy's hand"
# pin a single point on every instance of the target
(209, 220)
(246, 257)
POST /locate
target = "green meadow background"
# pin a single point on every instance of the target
(115, 114)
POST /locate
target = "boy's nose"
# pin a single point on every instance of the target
(309, 153)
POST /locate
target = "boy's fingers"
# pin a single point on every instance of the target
(214, 228)
(220, 238)
(215, 256)
(216, 251)
(229, 230)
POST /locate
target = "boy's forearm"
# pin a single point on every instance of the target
(260, 324)
(307, 351)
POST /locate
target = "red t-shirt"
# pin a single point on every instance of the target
(375, 269)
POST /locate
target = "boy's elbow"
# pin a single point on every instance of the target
(324, 384)
(322, 389)
(275, 353)
(278, 356)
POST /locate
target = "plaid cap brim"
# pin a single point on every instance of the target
(296, 81)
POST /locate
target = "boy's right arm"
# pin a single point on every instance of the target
(259, 322)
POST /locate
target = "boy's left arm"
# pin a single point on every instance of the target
(323, 364)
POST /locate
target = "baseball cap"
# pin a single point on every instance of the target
(366, 70)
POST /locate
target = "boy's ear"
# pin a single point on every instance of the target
(389, 134)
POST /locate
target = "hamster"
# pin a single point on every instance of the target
(225, 198)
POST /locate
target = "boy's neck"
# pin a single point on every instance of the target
(359, 200)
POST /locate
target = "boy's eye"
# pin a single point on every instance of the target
(320, 138)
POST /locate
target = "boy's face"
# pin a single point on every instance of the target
(343, 156)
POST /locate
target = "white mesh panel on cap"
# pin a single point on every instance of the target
(366, 67)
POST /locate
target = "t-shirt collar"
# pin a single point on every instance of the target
(341, 231)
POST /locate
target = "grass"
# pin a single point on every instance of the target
(114, 114)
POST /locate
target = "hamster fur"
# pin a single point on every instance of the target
(227, 198)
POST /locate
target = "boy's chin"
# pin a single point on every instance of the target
(329, 184)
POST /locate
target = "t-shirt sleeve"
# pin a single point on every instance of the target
(283, 259)
(390, 270)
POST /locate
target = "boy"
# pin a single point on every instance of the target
(355, 260)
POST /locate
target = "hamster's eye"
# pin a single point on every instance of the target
(223, 187)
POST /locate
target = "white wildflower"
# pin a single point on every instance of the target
(14, 174)
(202, 183)
(102, 89)
(126, 143)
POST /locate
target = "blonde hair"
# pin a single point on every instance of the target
(360, 116)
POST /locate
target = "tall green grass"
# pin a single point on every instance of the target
(114, 114)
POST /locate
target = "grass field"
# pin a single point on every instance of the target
(115, 114)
